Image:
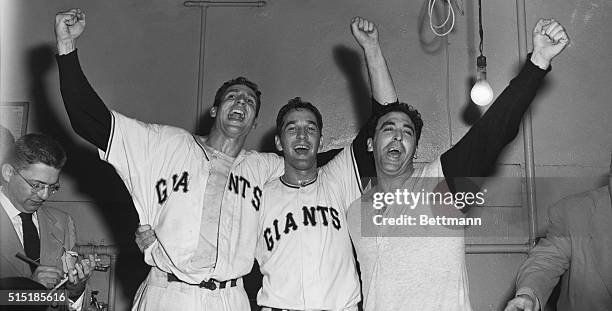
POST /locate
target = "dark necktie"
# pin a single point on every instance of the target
(31, 241)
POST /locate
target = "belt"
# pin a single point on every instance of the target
(210, 284)
(277, 309)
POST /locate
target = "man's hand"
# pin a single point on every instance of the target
(144, 237)
(47, 276)
(365, 32)
(78, 276)
(521, 302)
(69, 25)
(549, 39)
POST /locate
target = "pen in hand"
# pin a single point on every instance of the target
(27, 259)
(32, 262)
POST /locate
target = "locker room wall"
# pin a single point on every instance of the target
(142, 58)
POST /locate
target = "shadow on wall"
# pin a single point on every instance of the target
(205, 123)
(96, 179)
(267, 143)
(349, 62)
(430, 43)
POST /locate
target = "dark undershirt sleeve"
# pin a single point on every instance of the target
(363, 158)
(476, 153)
(88, 115)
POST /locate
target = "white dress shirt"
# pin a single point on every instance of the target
(13, 214)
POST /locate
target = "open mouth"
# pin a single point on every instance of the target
(237, 115)
(301, 148)
(394, 152)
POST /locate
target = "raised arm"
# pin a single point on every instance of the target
(475, 154)
(88, 115)
(365, 33)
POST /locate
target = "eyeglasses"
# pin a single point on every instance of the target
(37, 187)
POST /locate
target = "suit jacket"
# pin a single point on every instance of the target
(577, 248)
(56, 231)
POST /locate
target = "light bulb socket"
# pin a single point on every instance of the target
(481, 62)
(481, 67)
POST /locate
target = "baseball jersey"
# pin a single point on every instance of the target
(167, 170)
(427, 263)
(303, 248)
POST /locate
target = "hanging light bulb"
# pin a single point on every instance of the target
(481, 93)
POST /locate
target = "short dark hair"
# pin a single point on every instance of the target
(243, 81)
(410, 111)
(36, 148)
(296, 104)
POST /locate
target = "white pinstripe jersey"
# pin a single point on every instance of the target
(166, 169)
(303, 246)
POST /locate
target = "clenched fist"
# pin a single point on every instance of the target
(365, 32)
(549, 39)
(69, 25)
(144, 237)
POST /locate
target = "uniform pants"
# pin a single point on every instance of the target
(157, 294)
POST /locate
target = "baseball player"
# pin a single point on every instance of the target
(330, 190)
(428, 262)
(303, 249)
(177, 181)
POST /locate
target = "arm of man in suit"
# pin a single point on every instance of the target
(79, 271)
(546, 263)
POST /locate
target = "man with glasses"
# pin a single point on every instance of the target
(30, 176)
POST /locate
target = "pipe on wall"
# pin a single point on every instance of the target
(225, 3)
(530, 191)
(112, 252)
(200, 98)
(497, 248)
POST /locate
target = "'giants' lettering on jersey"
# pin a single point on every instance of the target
(239, 185)
(311, 216)
(162, 190)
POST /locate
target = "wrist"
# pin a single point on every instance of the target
(539, 60)
(66, 46)
(372, 51)
(528, 293)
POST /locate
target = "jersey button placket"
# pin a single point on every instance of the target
(301, 240)
(310, 267)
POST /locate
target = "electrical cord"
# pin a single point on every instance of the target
(450, 16)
